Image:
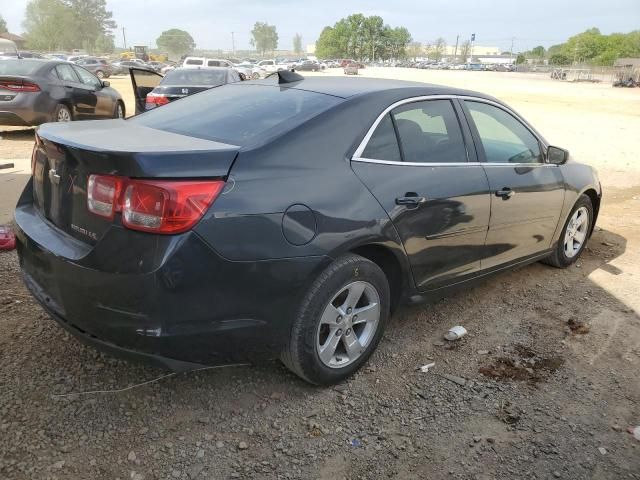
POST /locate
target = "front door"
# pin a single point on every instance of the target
(97, 103)
(416, 163)
(143, 81)
(527, 193)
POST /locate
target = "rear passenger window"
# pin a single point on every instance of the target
(66, 73)
(429, 132)
(383, 144)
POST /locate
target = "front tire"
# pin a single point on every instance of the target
(100, 74)
(574, 236)
(340, 322)
(119, 110)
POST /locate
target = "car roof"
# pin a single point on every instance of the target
(344, 87)
(207, 69)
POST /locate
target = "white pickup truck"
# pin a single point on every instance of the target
(266, 67)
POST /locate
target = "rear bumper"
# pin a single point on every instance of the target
(191, 306)
(27, 109)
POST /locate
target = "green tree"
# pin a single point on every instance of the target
(538, 51)
(520, 59)
(67, 24)
(297, 44)
(559, 59)
(264, 37)
(175, 41)
(3, 25)
(357, 36)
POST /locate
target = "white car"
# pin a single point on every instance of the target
(203, 62)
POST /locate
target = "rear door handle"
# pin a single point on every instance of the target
(506, 193)
(411, 199)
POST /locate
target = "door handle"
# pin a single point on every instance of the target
(410, 199)
(506, 193)
(68, 86)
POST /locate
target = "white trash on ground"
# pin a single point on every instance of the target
(455, 333)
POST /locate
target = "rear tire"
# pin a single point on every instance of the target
(329, 342)
(100, 74)
(62, 114)
(574, 236)
(255, 76)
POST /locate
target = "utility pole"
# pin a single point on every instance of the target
(511, 52)
(473, 39)
(455, 51)
(124, 39)
(233, 44)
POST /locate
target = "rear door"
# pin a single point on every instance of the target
(143, 81)
(74, 92)
(527, 193)
(420, 164)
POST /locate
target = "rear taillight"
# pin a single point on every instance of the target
(19, 86)
(164, 206)
(103, 195)
(154, 101)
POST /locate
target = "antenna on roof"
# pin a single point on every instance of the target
(287, 76)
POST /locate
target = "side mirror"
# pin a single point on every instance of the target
(106, 83)
(557, 155)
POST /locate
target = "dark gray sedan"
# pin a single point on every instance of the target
(289, 217)
(34, 91)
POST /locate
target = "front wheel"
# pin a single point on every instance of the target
(255, 76)
(100, 74)
(119, 112)
(340, 322)
(574, 236)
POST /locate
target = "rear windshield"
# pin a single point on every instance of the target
(194, 61)
(194, 77)
(19, 67)
(238, 113)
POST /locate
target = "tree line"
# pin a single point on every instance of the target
(68, 24)
(590, 47)
(360, 37)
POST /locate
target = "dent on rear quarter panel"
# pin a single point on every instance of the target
(307, 166)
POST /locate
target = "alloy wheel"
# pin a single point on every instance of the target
(63, 115)
(576, 232)
(348, 324)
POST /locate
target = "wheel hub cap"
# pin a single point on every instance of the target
(348, 324)
(576, 232)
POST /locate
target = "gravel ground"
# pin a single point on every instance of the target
(545, 385)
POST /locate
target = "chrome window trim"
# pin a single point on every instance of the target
(357, 155)
(451, 164)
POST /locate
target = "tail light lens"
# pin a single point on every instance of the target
(19, 86)
(154, 101)
(166, 207)
(103, 193)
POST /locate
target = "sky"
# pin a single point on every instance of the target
(495, 22)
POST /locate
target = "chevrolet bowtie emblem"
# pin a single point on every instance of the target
(54, 177)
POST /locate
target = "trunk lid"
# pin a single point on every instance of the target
(66, 154)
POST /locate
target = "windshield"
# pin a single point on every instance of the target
(194, 77)
(19, 67)
(238, 114)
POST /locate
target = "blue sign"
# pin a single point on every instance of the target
(473, 37)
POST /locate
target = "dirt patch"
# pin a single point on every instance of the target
(524, 365)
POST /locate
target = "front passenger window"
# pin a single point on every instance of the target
(504, 139)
